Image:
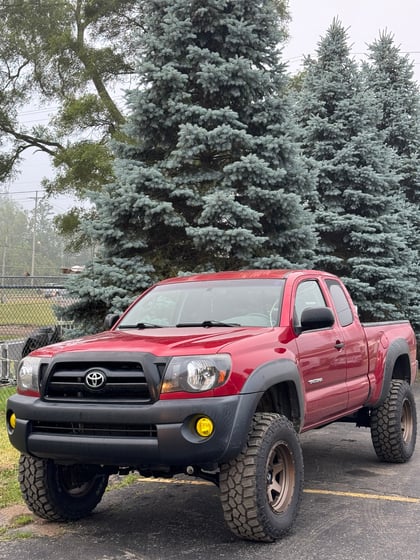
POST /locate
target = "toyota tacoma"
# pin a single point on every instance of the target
(213, 376)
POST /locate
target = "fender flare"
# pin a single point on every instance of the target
(398, 347)
(272, 373)
(260, 380)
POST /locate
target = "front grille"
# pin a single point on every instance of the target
(101, 430)
(124, 382)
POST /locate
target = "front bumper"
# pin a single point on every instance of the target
(159, 434)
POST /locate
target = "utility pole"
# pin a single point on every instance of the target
(3, 264)
(34, 238)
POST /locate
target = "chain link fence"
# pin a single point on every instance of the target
(29, 317)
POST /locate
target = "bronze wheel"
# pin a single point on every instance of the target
(407, 421)
(262, 487)
(281, 477)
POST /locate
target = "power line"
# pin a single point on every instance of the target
(22, 192)
(52, 107)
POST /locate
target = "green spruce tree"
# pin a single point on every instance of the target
(211, 177)
(358, 213)
(389, 76)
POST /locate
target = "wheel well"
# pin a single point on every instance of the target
(282, 399)
(402, 368)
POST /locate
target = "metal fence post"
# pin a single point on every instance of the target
(4, 362)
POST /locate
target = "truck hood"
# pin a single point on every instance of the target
(160, 342)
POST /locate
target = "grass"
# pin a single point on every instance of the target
(36, 311)
(18, 315)
(9, 456)
(14, 530)
(7, 535)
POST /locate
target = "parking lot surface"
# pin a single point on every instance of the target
(353, 508)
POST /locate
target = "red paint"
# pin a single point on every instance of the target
(341, 367)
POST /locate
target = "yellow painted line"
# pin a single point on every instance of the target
(176, 481)
(360, 495)
(403, 499)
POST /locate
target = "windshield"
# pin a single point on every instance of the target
(249, 302)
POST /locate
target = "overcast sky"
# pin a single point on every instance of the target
(310, 21)
(364, 20)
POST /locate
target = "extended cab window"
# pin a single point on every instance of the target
(308, 294)
(344, 312)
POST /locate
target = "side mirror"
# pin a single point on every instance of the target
(314, 318)
(110, 320)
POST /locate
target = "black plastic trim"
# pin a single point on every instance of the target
(397, 348)
(274, 373)
(176, 443)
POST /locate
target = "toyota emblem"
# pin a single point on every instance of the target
(95, 379)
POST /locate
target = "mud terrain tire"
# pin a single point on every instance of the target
(393, 425)
(261, 488)
(57, 492)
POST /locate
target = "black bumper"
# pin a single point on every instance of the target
(171, 442)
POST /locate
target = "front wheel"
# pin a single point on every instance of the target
(60, 492)
(262, 487)
(393, 425)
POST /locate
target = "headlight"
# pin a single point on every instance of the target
(196, 373)
(28, 376)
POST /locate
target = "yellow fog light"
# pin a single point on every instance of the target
(12, 420)
(204, 427)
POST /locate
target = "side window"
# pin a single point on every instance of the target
(344, 312)
(308, 294)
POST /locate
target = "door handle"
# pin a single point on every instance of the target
(339, 345)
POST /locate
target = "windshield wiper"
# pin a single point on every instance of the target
(140, 326)
(208, 324)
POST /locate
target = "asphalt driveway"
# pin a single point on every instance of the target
(354, 508)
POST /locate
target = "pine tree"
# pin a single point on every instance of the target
(358, 214)
(210, 177)
(389, 75)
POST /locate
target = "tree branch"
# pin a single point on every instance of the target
(44, 145)
(79, 48)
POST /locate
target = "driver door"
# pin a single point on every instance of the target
(322, 361)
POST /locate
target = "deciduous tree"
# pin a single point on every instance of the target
(69, 56)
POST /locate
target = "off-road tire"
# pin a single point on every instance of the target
(261, 488)
(393, 425)
(57, 492)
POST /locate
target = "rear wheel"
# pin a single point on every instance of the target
(394, 424)
(261, 489)
(60, 492)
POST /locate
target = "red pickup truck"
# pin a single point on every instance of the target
(213, 376)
